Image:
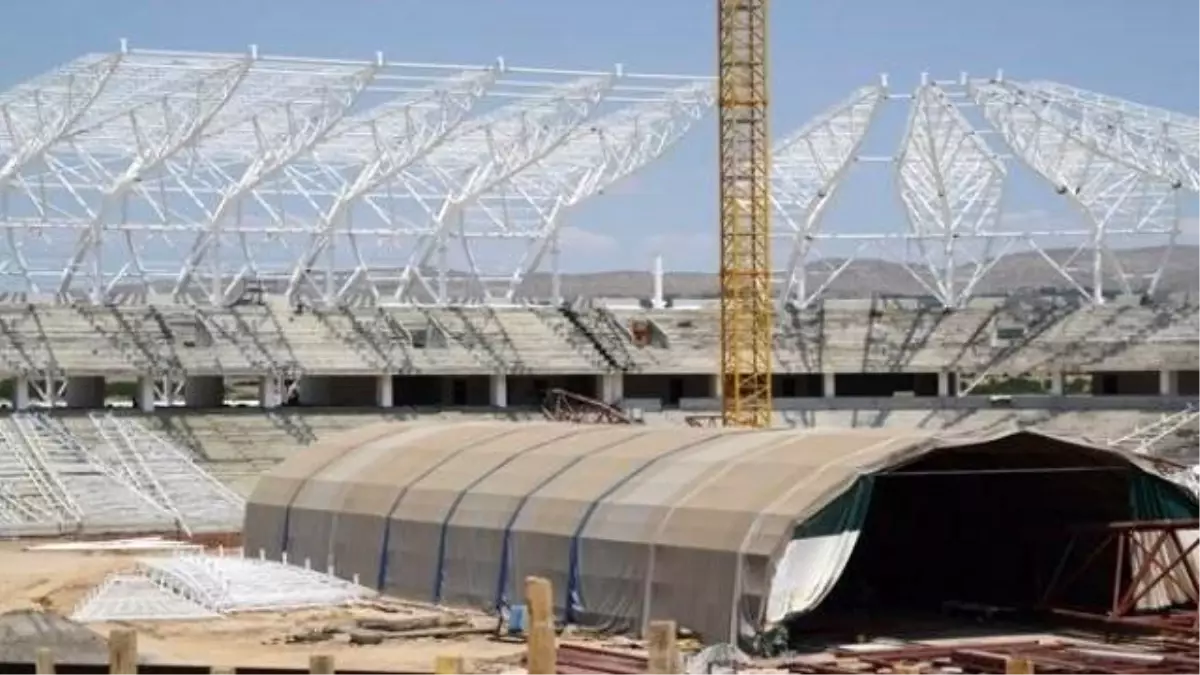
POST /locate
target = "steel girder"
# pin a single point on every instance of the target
(951, 185)
(1116, 199)
(1158, 142)
(608, 150)
(494, 153)
(270, 164)
(808, 167)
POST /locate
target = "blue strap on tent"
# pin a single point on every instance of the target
(381, 577)
(439, 571)
(572, 598)
(284, 539)
(506, 543)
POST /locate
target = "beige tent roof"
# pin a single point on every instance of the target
(616, 515)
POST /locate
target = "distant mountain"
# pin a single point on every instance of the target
(1025, 270)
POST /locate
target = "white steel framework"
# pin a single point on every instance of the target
(1123, 166)
(231, 584)
(196, 175)
(193, 586)
(128, 480)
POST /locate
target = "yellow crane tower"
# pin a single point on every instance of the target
(745, 164)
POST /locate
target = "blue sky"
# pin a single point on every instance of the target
(1144, 50)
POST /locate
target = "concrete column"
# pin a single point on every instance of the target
(829, 384)
(21, 392)
(943, 385)
(269, 395)
(1057, 386)
(1168, 383)
(612, 387)
(498, 391)
(85, 392)
(145, 393)
(204, 391)
(384, 391)
(718, 386)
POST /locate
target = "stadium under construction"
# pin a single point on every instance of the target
(210, 260)
(151, 201)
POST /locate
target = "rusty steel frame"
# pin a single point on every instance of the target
(994, 657)
(561, 405)
(1143, 575)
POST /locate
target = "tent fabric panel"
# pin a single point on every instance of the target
(635, 511)
(429, 498)
(410, 559)
(388, 461)
(417, 529)
(325, 487)
(319, 503)
(308, 537)
(387, 547)
(540, 554)
(708, 612)
(615, 606)
(815, 558)
(558, 506)
(718, 513)
(315, 457)
(358, 538)
(512, 568)
(356, 545)
(312, 462)
(816, 488)
(470, 566)
(606, 588)
(262, 529)
(529, 471)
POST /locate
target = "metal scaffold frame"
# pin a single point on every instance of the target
(745, 236)
(196, 176)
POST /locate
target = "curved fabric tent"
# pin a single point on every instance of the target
(720, 529)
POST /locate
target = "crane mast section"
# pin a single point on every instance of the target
(745, 249)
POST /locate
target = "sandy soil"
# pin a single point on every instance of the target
(57, 581)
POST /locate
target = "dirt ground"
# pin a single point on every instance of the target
(57, 581)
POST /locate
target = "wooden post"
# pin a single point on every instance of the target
(446, 664)
(540, 643)
(122, 651)
(663, 648)
(44, 661)
(320, 664)
(1016, 665)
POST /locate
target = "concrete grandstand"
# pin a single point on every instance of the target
(192, 246)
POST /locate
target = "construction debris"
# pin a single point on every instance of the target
(996, 657)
